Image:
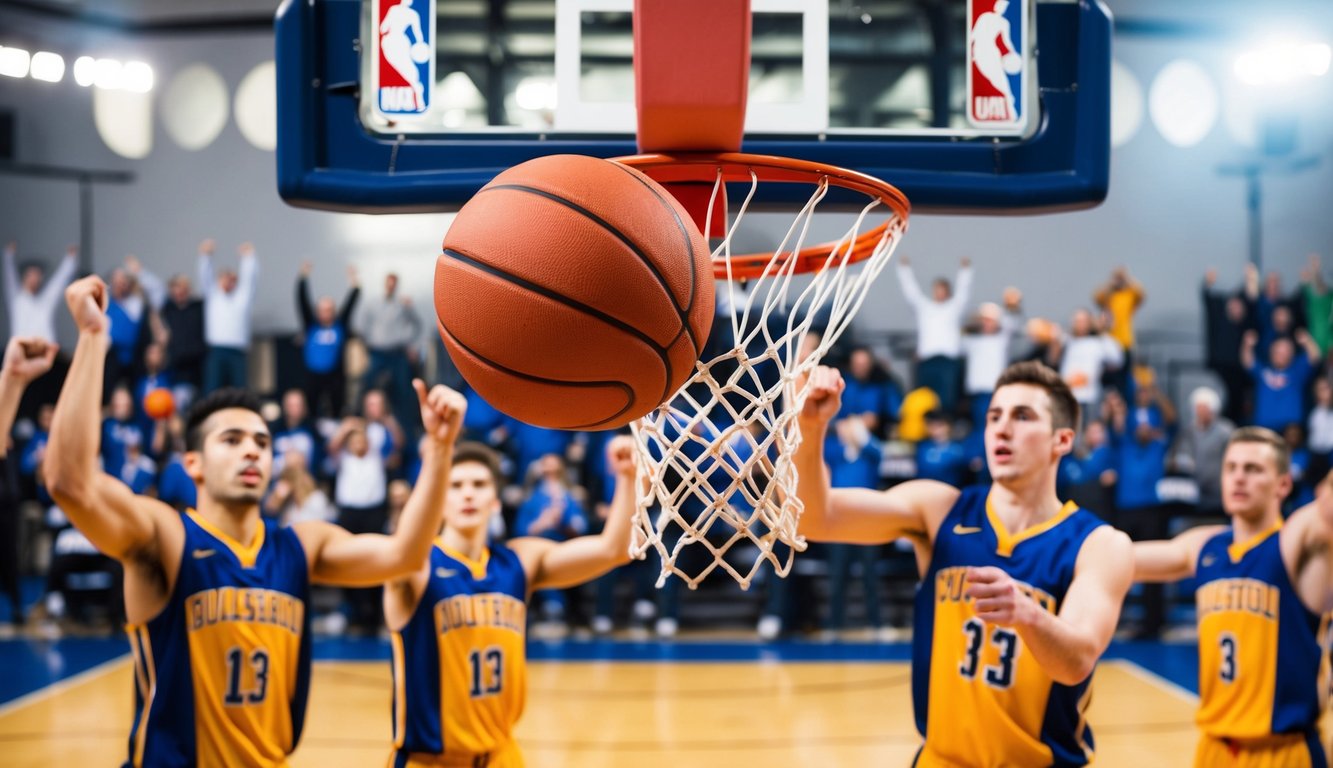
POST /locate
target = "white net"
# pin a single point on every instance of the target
(719, 488)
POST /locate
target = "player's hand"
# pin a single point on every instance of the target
(620, 455)
(86, 299)
(998, 600)
(442, 412)
(823, 396)
(27, 357)
(208, 246)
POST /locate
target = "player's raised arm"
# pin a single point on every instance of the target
(1068, 644)
(26, 358)
(1171, 559)
(367, 559)
(554, 565)
(114, 519)
(854, 515)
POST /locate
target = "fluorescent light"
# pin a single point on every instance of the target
(535, 93)
(1280, 63)
(14, 62)
(107, 74)
(137, 77)
(85, 70)
(48, 66)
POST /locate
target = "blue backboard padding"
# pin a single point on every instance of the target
(327, 159)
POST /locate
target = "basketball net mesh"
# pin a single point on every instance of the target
(716, 460)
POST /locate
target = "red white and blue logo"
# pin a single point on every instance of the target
(997, 70)
(404, 56)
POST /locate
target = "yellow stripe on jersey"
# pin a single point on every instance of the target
(477, 567)
(1006, 541)
(1238, 549)
(399, 690)
(146, 674)
(245, 553)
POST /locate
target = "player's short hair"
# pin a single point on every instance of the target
(1265, 436)
(470, 452)
(217, 400)
(1064, 408)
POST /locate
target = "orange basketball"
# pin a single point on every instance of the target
(574, 293)
(159, 404)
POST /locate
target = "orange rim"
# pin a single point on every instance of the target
(703, 168)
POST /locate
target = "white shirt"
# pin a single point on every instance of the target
(939, 324)
(316, 507)
(1085, 358)
(361, 481)
(35, 314)
(227, 315)
(1321, 430)
(988, 355)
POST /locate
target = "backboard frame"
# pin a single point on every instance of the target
(328, 160)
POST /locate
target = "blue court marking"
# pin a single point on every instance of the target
(27, 665)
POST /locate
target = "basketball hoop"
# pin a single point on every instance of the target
(717, 458)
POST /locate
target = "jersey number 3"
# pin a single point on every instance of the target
(1000, 676)
(1227, 669)
(487, 671)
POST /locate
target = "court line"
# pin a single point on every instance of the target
(1152, 678)
(61, 686)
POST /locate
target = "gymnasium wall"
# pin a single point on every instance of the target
(1169, 213)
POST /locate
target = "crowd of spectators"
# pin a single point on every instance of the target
(345, 437)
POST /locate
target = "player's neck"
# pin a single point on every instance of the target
(1021, 506)
(1246, 528)
(468, 544)
(238, 521)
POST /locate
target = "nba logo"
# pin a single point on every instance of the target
(404, 74)
(996, 68)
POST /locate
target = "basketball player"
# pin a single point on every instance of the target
(1264, 585)
(459, 669)
(217, 598)
(1020, 594)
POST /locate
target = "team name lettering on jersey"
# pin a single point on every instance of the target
(1245, 595)
(485, 610)
(246, 605)
(951, 584)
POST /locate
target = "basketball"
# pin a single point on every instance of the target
(1012, 63)
(574, 293)
(420, 53)
(159, 404)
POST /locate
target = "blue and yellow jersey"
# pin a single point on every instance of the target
(1263, 669)
(459, 665)
(981, 700)
(221, 674)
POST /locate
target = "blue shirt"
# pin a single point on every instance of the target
(175, 487)
(1139, 467)
(945, 462)
(1279, 396)
(571, 521)
(115, 436)
(323, 347)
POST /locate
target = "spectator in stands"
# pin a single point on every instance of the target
(32, 305)
(1265, 299)
(120, 428)
(871, 391)
(1085, 355)
(296, 432)
(174, 485)
(1320, 431)
(529, 444)
(1120, 297)
(182, 318)
(154, 376)
(1302, 479)
(1200, 447)
(127, 312)
(296, 496)
(360, 491)
(939, 456)
(853, 456)
(383, 430)
(228, 300)
(25, 359)
(939, 323)
(1227, 317)
(1279, 385)
(325, 331)
(986, 349)
(34, 451)
(391, 330)
(1141, 452)
(1091, 475)
(551, 511)
(1318, 306)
